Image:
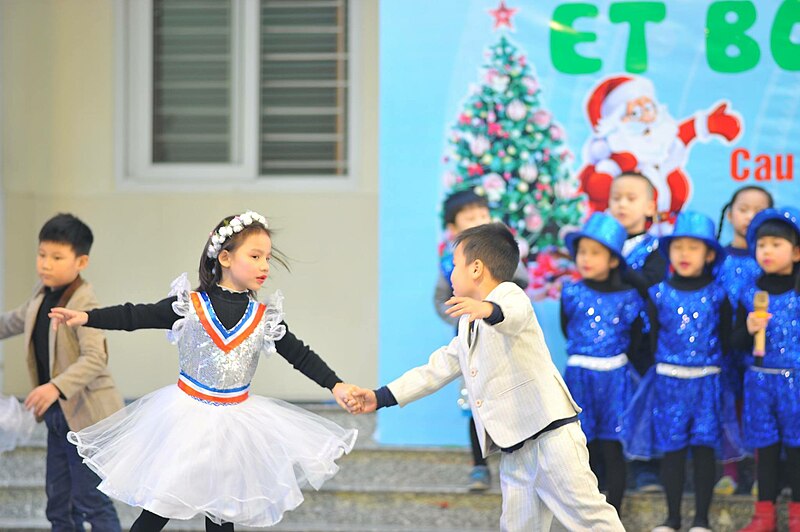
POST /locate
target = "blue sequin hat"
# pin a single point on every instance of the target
(788, 215)
(690, 224)
(601, 228)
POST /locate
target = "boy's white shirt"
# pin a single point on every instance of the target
(514, 388)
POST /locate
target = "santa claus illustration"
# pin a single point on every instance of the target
(633, 132)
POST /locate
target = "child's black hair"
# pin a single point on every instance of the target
(727, 206)
(650, 188)
(210, 271)
(779, 229)
(65, 228)
(494, 245)
(457, 201)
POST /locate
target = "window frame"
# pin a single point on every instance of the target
(134, 113)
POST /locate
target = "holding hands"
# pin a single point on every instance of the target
(475, 308)
(67, 316)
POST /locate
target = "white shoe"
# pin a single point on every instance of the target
(699, 529)
(664, 528)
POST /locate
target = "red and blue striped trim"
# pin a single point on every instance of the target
(207, 394)
(226, 339)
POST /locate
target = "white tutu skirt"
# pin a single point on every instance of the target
(16, 423)
(245, 463)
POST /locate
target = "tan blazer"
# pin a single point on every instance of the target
(78, 357)
(514, 388)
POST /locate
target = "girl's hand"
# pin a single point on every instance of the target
(66, 316)
(757, 321)
(466, 305)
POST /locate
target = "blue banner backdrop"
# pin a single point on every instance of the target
(723, 75)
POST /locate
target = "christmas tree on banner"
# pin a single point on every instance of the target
(507, 147)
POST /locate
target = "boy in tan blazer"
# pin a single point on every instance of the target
(519, 401)
(68, 368)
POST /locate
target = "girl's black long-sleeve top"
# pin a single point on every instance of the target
(229, 308)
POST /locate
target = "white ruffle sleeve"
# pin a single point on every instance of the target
(273, 316)
(16, 423)
(182, 306)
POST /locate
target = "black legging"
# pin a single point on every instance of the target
(477, 456)
(768, 472)
(673, 475)
(608, 455)
(150, 522)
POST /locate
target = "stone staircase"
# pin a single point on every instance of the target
(379, 488)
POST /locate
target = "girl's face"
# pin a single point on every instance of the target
(247, 266)
(689, 256)
(748, 203)
(594, 260)
(776, 255)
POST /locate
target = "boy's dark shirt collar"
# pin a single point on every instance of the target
(690, 283)
(737, 252)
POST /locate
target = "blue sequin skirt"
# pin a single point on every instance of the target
(603, 396)
(670, 413)
(771, 408)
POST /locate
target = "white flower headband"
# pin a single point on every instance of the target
(236, 224)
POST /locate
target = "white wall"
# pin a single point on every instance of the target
(58, 100)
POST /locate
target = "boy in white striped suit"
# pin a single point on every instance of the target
(519, 401)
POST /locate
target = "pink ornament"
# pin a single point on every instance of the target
(501, 153)
(478, 105)
(556, 133)
(479, 145)
(495, 129)
(491, 117)
(474, 169)
(494, 185)
(516, 110)
(531, 84)
(463, 119)
(528, 172)
(541, 118)
(449, 179)
(533, 222)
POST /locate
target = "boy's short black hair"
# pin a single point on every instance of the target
(67, 229)
(778, 229)
(494, 245)
(651, 190)
(457, 201)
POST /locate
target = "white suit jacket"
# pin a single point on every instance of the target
(514, 388)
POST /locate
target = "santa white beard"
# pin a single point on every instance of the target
(651, 143)
(657, 149)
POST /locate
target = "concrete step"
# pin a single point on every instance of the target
(379, 488)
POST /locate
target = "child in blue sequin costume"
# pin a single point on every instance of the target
(602, 319)
(207, 446)
(632, 203)
(739, 269)
(771, 415)
(682, 395)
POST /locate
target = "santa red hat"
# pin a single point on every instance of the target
(612, 94)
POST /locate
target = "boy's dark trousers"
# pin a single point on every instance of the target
(72, 494)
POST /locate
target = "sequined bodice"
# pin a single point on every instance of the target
(736, 273)
(637, 249)
(689, 324)
(599, 323)
(215, 356)
(783, 329)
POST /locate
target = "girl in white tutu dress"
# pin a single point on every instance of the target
(206, 446)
